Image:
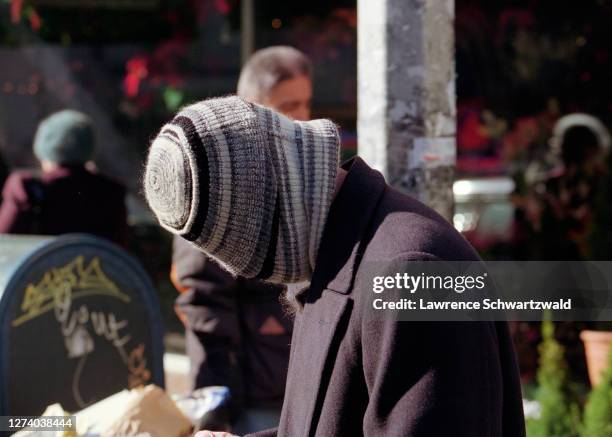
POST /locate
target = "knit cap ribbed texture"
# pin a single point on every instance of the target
(246, 185)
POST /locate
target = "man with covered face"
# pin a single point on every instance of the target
(263, 196)
(236, 330)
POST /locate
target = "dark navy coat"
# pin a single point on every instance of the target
(350, 375)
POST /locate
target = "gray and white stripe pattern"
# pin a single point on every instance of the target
(246, 185)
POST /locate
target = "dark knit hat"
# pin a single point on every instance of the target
(246, 185)
(66, 137)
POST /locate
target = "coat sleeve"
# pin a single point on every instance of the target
(431, 378)
(208, 300)
(208, 307)
(15, 210)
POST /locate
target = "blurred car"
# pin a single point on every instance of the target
(484, 213)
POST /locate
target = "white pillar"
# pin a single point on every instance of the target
(406, 95)
(247, 29)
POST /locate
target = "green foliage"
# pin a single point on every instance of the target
(559, 416)
(598, 410)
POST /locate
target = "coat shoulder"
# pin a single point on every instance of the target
(403, 225)
(108, 183)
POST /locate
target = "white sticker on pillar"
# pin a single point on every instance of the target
(432, 152)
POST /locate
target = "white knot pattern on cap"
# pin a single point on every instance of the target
(170, 200)
(246, 185)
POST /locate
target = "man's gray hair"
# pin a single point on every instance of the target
(267, 68)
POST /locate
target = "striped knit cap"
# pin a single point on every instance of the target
(248, 186)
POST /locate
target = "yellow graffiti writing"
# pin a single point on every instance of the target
(73, 280)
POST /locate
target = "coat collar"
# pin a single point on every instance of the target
(347, 222)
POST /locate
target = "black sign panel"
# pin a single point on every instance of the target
(80, 321)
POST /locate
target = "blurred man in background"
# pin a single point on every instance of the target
(562, 192)
(555, 222)
(280, 78)
(237, 332)
(68, 196)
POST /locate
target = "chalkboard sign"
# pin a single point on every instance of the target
(79, 321)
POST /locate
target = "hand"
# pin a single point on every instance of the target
(213, 434)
